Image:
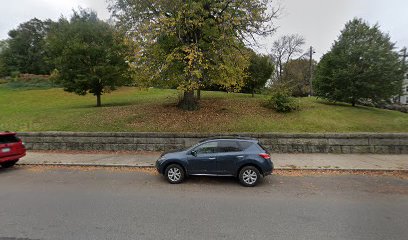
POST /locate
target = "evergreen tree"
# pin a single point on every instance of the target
(361, 64)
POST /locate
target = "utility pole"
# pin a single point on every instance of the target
(404, 64)
(311, 70)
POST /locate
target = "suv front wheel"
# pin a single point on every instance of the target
(249, 176)
(174, 174)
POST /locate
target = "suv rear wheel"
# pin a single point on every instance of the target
(249, 176)
(174, 174)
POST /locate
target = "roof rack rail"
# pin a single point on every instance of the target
(227, 137)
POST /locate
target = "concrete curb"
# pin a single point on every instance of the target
(88, 165)
(152, 166)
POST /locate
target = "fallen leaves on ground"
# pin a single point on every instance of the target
(300, 173)
(289, 173)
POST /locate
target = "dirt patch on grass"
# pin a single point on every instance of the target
(212, 116)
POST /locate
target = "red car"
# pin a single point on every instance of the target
(11, 149)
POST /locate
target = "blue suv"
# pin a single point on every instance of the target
(242, 158)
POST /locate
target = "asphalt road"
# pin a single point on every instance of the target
(72, 203)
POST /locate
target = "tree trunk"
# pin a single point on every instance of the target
(98, 100)
(353, 103)
(253, 88)
(188, 102)
(199, 94)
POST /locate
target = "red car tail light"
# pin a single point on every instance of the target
(265, 155)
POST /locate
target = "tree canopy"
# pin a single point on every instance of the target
(89, 55)
(361, 64)
(296, 76)
(193, 42)
(259, 72)
(24, 50)
(285, 49)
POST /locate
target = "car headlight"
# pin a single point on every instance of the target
(161, 159)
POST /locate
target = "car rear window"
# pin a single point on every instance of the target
(245, 145)
(8, 139)
(263, 148)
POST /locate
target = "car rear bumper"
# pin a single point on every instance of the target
(11, 158)
(269, 169)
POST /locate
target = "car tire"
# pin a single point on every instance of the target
(8, 164)
(175, 174)
(249, 176)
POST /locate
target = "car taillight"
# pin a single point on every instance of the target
(265, 156)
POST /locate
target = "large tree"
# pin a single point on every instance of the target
(361, 64)
(4, 70)
(296, 76)
(285, 49)
(25, 50)
(89, 54)
(194, 42)
(259, 72)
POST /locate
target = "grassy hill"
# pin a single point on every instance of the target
(130, 109)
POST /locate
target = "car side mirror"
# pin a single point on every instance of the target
(194, 153)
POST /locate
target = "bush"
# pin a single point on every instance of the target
(31, 81)
(15, 74)
(281, 101)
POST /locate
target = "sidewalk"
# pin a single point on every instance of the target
(281, 161)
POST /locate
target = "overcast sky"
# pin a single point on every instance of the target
(319, 21)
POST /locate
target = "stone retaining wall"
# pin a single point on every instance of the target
(274, 142)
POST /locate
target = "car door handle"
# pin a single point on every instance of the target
(211, 158)
(240, 156)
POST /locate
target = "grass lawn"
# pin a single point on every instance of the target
(130, 109)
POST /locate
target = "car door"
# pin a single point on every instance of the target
(204, 160)
(227, 159)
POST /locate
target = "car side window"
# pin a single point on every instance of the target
(207, 148)
(229, 146)
(245, 145)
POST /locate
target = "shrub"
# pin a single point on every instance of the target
(54, 78)
(281, 101)
(31, 81)
(15, 74)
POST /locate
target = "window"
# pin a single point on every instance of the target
(245, 145)
(206, 148)
(406, 89)
(229, 146)
(8, 139)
